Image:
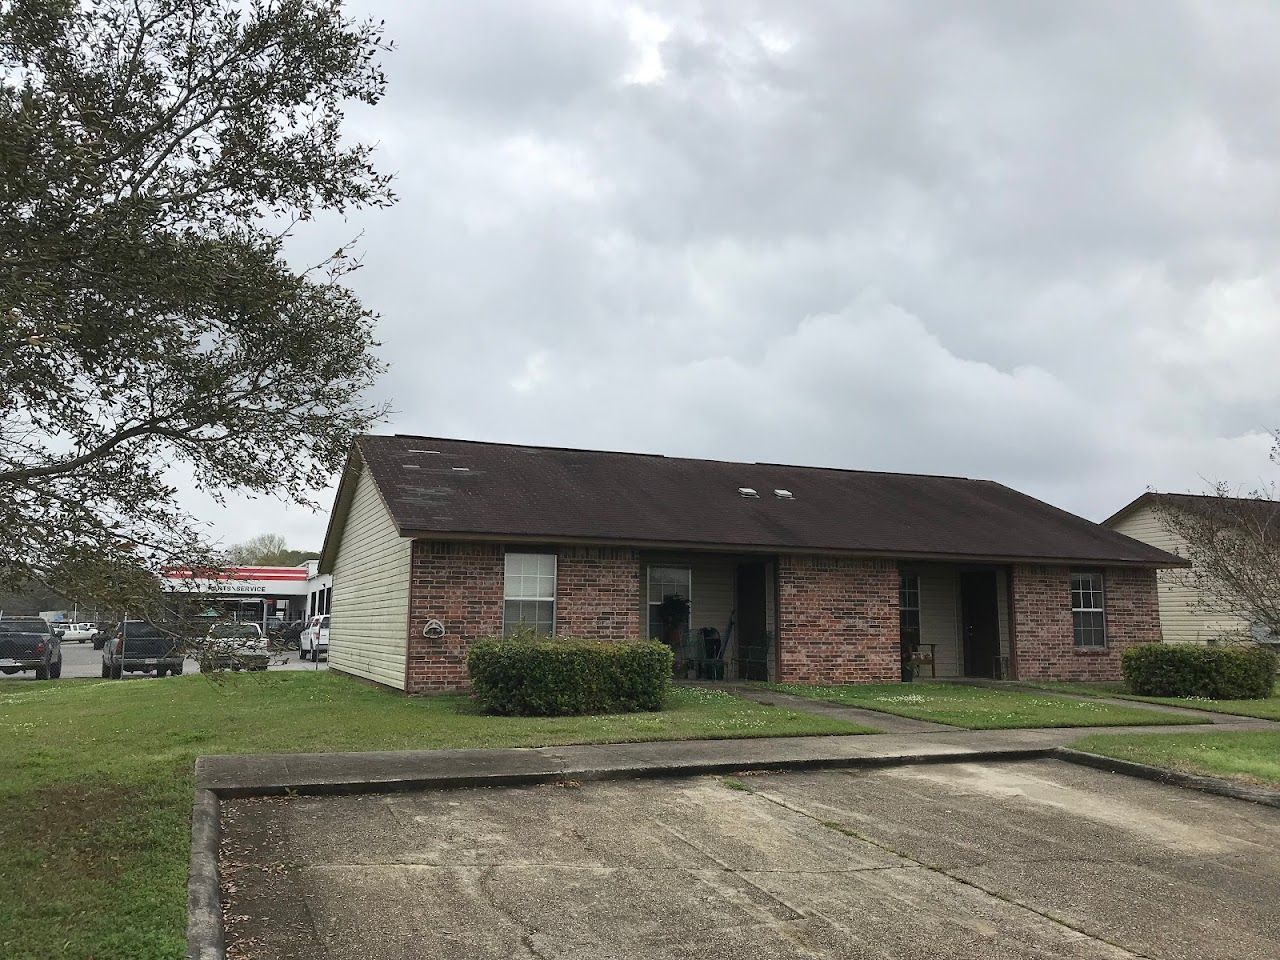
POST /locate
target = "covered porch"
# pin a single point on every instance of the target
(718, 613)
(954, 620)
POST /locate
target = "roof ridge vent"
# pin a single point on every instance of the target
(749, 493)
(783, 494)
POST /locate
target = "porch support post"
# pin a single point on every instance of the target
(1013, 622)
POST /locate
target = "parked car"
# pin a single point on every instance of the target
(314, 642)
(78, 632)
(102, 633)
(304, 637)
(29, 643)
(235, 646)
(137, 646)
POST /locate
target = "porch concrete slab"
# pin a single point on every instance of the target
(981, 860)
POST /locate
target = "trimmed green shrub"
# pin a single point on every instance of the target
(1188, 670)
(532, 676)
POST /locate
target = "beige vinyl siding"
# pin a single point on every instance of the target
(1183, 619)
(712, 588)
(370, 604)
(940, 618)
(1002, 610)
(771, 616)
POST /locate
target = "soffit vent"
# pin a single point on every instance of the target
(784, 494)
(749, 493)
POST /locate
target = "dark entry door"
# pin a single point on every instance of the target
(979, 622)
(753, 630)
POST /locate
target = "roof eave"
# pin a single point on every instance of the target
(1169, 560)
(341, 507)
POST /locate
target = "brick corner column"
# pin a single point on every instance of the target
(459, 584)
(837, 620)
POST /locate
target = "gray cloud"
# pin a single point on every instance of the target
(1036, 242)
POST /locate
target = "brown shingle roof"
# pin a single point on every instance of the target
(440, 487)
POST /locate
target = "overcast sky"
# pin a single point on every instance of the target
(1032, 242)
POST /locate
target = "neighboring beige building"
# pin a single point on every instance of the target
(1184, 616)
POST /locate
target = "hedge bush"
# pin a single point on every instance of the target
(549, 677)
(1188, 670)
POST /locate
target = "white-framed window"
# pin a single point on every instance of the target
(909, 607)
(664, 582)
(529, 593)
(1088, 609)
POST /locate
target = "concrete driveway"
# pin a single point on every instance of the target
(1015, 860)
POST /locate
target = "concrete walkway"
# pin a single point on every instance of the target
(890, 723)
(385, 771)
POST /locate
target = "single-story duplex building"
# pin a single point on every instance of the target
(750, 570)
(1187, 614)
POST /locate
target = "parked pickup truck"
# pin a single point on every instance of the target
(29, 643)
(141, 647)
(78, 632)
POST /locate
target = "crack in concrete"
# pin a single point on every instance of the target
(526, 936)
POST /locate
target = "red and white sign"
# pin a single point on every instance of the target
(271, 581)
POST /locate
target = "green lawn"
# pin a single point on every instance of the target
(95, 795)
(1251, 756)
(1268, 709)
(980, 708)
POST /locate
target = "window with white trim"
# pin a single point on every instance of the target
(529, 593)
(909, 607)
(1088, 609)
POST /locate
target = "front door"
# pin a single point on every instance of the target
(979, 622)
(753, 631)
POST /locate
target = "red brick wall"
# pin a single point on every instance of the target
(598, 593)
(459, 584)
(1042, 622)
(837, 620)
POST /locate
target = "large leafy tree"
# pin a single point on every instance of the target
(268, 549)
(154, 157)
